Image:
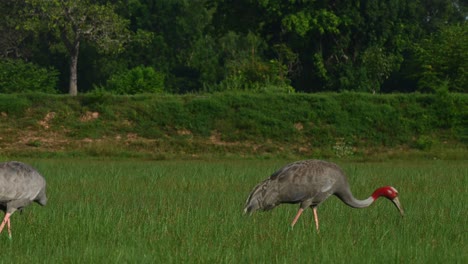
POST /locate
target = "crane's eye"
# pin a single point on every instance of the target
(392, 193)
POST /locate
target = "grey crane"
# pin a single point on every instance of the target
(20, 185)
(309, 183)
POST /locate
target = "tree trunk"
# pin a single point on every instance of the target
(73, 91)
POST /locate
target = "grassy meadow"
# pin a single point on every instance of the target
(136, 211)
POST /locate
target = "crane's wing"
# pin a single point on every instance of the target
(19, 181)
(327, 184)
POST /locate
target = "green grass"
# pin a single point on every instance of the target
(134, 211)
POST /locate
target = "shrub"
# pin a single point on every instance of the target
(256, 76)
(13, 105)
(137, 80)
(17, 76)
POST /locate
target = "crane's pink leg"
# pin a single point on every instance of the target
(9, 227)
(316, 219)
(6, 219)
(297, 217)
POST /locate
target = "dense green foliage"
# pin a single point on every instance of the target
(17, 76)
(341, 124)
(135, 211)
(135, 81)
(249, 45)
(443, 60)
(69, 23)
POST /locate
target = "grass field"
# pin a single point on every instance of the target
(133, 211)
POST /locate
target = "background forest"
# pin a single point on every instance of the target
(192, 46)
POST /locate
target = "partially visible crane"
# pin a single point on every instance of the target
(20, 185)
(309, 183)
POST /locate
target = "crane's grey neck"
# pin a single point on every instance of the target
(349, 199)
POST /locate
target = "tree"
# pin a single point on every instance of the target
(10, 42)
(73, 22)
(443, 60)
(180, 46)
(378, 66)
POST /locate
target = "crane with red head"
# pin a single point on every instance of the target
(309, 183)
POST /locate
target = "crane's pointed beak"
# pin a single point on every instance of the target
(248, 210)
(397, 203)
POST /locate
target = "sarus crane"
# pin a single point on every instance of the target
(309, 183)
(20, 185)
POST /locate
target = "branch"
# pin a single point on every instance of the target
(66, 41)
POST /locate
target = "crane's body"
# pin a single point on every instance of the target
(309, 183)
(20, 185)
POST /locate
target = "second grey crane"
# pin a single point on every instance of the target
(20, 185)
(309, 183)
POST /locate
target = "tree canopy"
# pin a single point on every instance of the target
(216, 45)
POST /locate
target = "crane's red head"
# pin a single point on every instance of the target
(390, 193)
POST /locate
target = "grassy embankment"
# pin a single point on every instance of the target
(346, 125)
